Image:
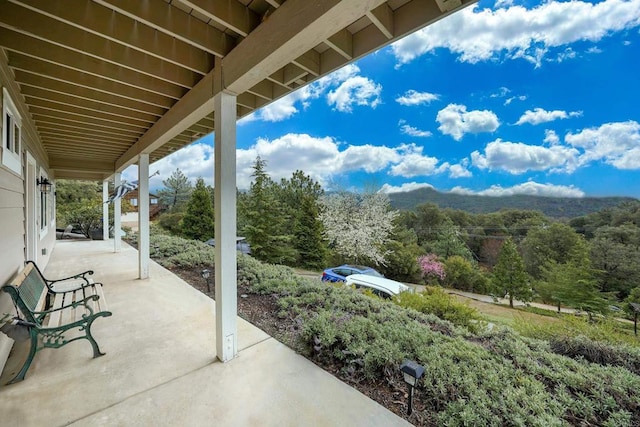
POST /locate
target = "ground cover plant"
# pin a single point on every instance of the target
(496, 377)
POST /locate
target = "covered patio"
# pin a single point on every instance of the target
(160, 367)
(93, 87)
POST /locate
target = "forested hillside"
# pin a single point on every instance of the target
(554, 207)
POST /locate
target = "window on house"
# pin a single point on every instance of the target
(153, 201)
(11, 125)
(134, 202)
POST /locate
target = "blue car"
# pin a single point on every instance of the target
(339, 274)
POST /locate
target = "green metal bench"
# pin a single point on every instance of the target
(57, 312)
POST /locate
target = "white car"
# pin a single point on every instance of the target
(380, 286)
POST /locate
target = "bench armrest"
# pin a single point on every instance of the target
(80, 276)
(84, 301)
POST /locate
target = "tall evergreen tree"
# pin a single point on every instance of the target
(265, 220)
(509, 275)
(300, 198)
(177, 190)
(573, 283)
(198, 222)
(309, 242)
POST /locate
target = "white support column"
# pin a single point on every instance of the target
(117, 215)
(143, 216)
(225, 216)
(105, 210)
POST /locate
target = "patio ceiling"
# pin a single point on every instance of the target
(107, 80)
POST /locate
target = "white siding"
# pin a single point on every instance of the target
(12, 205)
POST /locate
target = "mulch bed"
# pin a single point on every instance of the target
(261, 311)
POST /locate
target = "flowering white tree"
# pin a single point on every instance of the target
(358, 225)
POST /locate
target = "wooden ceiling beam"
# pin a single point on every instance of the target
(95, 110)
(89, 114)
(105, 23)
(61, 163)
(228, 13)
(382, 18)
(92, 88)
(23, 50)
(59, 142)
(309, 61)
(174, 22)
(58, 121)
(81, 136)
(23, 20)
(342, 42)
(107, 124)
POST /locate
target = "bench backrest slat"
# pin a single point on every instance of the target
(30, 288)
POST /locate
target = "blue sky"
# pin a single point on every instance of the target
(500, 98)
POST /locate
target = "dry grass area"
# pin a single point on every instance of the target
(497, 313)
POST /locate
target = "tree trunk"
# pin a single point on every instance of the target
(511, 300)
(558, 307)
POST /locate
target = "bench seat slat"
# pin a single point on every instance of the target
(55, 317)
(102, 302)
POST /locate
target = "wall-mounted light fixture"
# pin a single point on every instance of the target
(412, 372)
(44, 184)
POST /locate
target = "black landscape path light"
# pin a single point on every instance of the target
(412, 372)
(206, 273)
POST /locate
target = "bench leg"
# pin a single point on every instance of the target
(94, 344)
(27, 363)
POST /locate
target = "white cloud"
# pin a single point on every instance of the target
(503, 92)
(529, 188)
(321, 158)
(517, 158)
(412, 97)
(456, 121)
(357, 90)
(348, 88)
(195, 161)
(515, 98)
(460, 170)
(503, 3)
(413, 131)
(369, 158)
(516, 32)
(617, 144)
(408, 186)
(415, 165)
(540, 115)
(285, 107)
(551, 137)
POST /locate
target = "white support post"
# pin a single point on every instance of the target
(117, 215)
(143, 216)
(225, 229)
(105, 210)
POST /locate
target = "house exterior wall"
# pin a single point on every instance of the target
(14, 219)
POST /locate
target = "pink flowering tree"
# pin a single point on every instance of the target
(431, 267)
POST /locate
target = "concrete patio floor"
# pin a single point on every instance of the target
(160, 367)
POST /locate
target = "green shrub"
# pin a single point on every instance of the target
(436, 301)
(171, 221)
(597, 352)
(493, 378)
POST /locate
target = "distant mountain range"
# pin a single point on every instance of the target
(554, 207)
